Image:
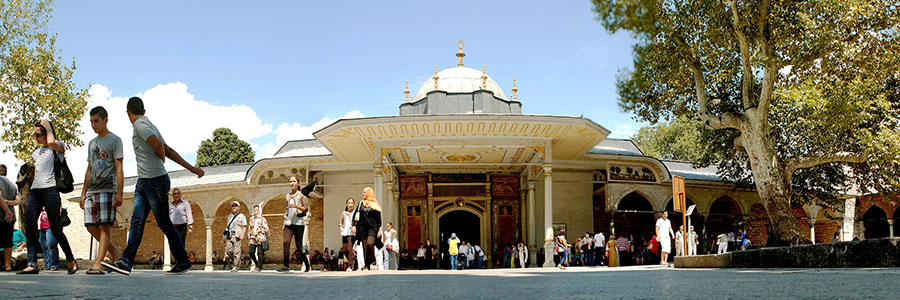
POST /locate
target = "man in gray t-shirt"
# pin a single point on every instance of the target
(9, 196)
(151, 192)
(104, 182)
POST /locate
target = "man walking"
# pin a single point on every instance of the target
(599, 244)
(9, 196)
(104, 182)
(665, 234)
(151, 192)
(236, 226)
(181, 215)
(692, 242)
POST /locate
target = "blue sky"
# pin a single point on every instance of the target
(297, 65)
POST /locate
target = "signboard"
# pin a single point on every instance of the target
(678, 193)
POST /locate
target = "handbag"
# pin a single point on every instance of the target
(62, 174)
(265, 246)
(64, 218)
(226, 235)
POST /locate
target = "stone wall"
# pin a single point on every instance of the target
(873, 253)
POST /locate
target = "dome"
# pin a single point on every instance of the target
(460, 80)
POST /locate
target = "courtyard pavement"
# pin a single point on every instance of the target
(646, 282)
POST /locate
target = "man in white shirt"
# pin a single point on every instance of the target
(463, 249)
(599, 246)
(420, 256)
(664, 234)
(480, 256)
(181, 215)
(692, 242)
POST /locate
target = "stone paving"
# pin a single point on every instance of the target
(536, 283)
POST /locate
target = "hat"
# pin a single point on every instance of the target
(235, 203)
(452, 235)
(308, 189)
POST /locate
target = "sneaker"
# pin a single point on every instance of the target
(283, 270)
(118, 267)
(179, 269)
(233, 269)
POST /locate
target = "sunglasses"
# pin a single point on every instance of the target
(37, 135)
(234, 205)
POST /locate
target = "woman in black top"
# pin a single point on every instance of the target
(367, 226)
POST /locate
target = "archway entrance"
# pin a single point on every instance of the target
(465, 224)
(875, 223)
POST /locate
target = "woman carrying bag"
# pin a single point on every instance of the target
(44, 195)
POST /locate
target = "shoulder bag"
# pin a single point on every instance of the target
(62, 174)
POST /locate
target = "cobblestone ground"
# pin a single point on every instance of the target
(546, 283)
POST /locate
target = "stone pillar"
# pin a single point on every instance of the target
(549, 241)
(812, 231)
(167, 260)
(813, 211)
(209, 249)
(533, 233)
(890, 227)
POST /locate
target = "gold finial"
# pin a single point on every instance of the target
(514, 90)
(406, 91)
(460, 54)
(483, 78)
(435, 77)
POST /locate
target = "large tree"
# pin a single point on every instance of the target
(801, 95)
(680, 139)
(224, 148)
(35, 82)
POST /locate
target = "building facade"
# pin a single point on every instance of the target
(461, 157)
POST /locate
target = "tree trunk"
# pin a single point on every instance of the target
(773, 188)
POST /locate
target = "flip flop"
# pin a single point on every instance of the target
(95, 272)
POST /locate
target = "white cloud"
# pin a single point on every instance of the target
(297, 131)
(184, 122)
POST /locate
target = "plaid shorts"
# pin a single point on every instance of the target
(98, 209)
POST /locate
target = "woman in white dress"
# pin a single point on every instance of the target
(523, 254)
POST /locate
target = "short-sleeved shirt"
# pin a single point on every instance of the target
(599, 240)
(452, 246)
(239, 220)
(664, 226)
(8, 191)
(148, 164)
(290, 214)
(102, 156)
(43, 165)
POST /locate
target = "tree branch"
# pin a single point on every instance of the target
(793, 164)
(768, 52)
(726, 120)
(747, 74)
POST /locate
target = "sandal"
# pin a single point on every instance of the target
(94, 272)
(73, 267)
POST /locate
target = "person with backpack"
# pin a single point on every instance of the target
(297, 208)
(45, 195)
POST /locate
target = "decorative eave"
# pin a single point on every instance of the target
(354, 140)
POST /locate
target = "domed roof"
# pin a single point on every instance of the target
(460, 80)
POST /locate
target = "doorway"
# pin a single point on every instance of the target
(465, 224)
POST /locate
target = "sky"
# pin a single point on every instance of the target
(278, 71)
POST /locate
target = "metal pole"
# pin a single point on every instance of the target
(684, 237)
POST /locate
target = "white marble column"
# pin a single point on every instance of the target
(532, 232)
(549, 241)
(209, 248)
(167, 260)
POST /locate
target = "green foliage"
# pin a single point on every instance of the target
(680, 139)
(831, 68)
(224, 148)
(35, 82)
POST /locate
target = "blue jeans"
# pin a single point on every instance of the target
(153, 194)
(452, 262)
(46, 199)
(51, 249)
(563, 258)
